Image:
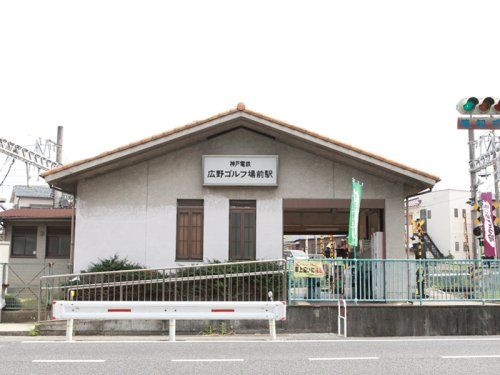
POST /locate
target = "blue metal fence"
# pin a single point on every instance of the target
(394, 280)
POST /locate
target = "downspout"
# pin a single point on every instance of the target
(72, 242)
(72, 236)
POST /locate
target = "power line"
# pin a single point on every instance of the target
(8, 170)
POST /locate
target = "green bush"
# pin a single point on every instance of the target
(113, 263)
(12, 302)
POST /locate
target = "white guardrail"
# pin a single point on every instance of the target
(172, 311)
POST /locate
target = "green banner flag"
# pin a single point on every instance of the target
(357, 191)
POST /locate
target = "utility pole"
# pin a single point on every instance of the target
(306, 245)
(473, 187)
(59, 150)
(495, 180)
(481, 114)
(59, 155)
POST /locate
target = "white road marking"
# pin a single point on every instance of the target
(209, 360)
(254, 341)
(469, 356)
(343, 359)
(69, 360)
(94, 342)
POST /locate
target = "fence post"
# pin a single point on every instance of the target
(171, 330)
(286, 286)
(3, 283)
(483, 277)
(40, 301)
(355, 264)
(69, 329)
(272, 329)
(420, 281)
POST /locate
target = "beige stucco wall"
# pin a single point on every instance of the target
(132, 211)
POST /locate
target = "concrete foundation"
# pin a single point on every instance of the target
(18, 316)
(362, 321)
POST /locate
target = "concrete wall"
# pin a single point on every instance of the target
(132, 211)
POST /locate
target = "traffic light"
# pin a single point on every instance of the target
(479, 106)
(485, 106)
(494, 217)
(496, 107)
(478, 229)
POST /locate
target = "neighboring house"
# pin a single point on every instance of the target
(447, 218)
(229, 188)
(37, 196)
(39, 238)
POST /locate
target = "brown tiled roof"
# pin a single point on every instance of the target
(241, 108)
(37, 213)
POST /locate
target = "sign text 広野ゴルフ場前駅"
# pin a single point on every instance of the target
(240, 170)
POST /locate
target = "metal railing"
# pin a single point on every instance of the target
(234, 281)
(394, 280)
(21, 282)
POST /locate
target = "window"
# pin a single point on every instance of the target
(58, 242)
(456, 212)
(429, 214)
(463, 213)
(457, 246)
(242, 219)
(24, 242)
(189, 229)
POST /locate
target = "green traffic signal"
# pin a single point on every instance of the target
(470, 104)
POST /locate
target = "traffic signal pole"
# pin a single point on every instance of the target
(482, 114)
(473, 188)
(497, 196)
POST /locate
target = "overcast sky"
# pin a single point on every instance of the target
(381, 75)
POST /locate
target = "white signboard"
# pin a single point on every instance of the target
(240, 170)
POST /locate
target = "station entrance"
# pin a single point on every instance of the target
(319, 226)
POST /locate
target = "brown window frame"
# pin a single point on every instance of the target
(191, 208)
(24, 230)
(52, 231)
(242, 207)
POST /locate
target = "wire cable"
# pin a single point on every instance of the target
(8, 171)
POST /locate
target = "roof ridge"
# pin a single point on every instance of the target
(239, 108)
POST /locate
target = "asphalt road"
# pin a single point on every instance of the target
(312, 355)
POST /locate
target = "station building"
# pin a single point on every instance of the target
(230, 187)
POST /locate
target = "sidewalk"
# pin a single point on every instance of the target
(16, 329)
(179, 338)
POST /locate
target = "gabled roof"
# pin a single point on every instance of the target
(210, 126)
(36, 191)
(36, 213)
